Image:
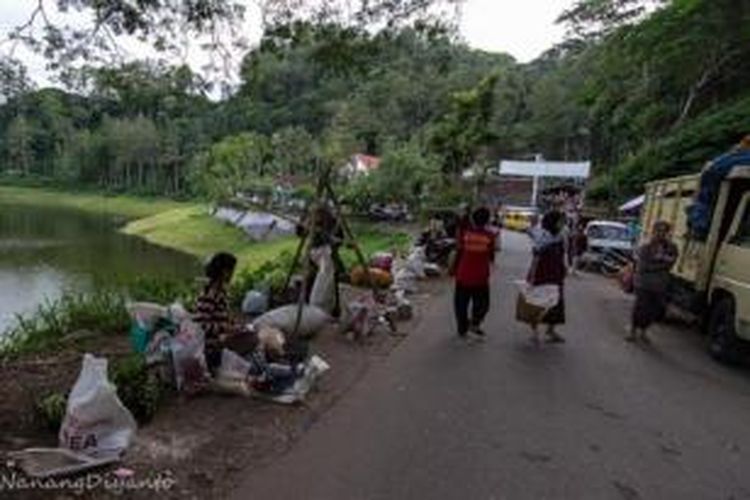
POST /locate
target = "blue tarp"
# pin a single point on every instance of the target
(700, 212)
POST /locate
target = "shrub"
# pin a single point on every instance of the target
(102, 312)
(138, 388)
(50, 410)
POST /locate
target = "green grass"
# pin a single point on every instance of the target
(193, 230)
(129, 207)
(49, 327)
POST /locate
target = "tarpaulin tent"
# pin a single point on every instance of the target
(633, 205)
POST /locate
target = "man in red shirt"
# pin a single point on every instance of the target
(476, 252)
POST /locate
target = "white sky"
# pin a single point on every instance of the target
(522, 28)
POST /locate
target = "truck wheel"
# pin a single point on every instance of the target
(724, 345)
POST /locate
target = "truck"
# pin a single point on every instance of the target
(711, 278)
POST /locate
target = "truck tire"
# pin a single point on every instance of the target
(724, 345)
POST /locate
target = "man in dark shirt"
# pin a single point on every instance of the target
(476, 252)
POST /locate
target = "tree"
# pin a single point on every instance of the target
(216, 25)
(294, 151)
(597, 18)
(230, 166)
(465, 130)
(19, 153)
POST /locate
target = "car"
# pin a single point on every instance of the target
(609, 245)
(519, 218)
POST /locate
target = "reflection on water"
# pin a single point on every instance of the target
(45, 251)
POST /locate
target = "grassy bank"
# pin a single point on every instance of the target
(183, 226)
(193, 230)
(128, 207)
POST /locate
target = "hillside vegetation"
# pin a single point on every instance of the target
(642, 93)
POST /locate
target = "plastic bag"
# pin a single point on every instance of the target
(323, 290)
(271, 340)
(383, 261)
(255, 303)
(144, 316)
(96, 422)
(416, 261)
(543, 296)
(188, 359)
(358, 317)
(405, 280)
(232, 375)
(284, 318)
(301, 387)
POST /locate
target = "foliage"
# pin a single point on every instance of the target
(405, 174)
(216, 25)
(685, 151)
(317, 90)
(230, 165)
(127, 207)
(53, 323)
(50, 410)
(460, 134)
(139, 389)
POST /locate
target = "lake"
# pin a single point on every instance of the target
(46, 251)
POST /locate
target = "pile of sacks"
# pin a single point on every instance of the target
(174, 344)
(397, 275)
(406, 272)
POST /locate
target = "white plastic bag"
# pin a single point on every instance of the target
(232, 375)
(284, 318)
(405, 280)
(147, 314)
(543, 296)
(188, 358)
(96, 422)
(323, 290)
(314, 368)
(416, 261)
(255, 303)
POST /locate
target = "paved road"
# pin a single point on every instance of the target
(596, 418)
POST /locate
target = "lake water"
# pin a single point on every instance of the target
(46, 251)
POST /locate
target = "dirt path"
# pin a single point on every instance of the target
(204, 445)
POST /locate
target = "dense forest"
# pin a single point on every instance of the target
(643, 94)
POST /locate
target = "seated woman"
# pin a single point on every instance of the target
(212, 313)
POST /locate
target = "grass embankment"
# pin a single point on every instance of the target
(184, 226)
(128, 207)
(193, 230)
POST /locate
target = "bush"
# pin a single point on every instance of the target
(271, 274)
(50, 410)
(161, 291)
(102, 312)
(139, 389)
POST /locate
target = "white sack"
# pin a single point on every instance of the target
(96, 422)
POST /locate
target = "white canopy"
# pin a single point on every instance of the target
(580, 170)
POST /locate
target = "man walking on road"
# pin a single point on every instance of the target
(476, 252)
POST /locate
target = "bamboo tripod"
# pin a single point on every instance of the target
(325, 196)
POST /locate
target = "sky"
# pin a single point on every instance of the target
(521, 28)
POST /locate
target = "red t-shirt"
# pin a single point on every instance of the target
(476, 251)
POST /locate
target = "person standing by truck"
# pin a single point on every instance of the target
(654, 260)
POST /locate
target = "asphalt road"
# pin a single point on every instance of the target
(595, 418)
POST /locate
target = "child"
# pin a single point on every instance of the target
(212, 312)
(476, 251)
